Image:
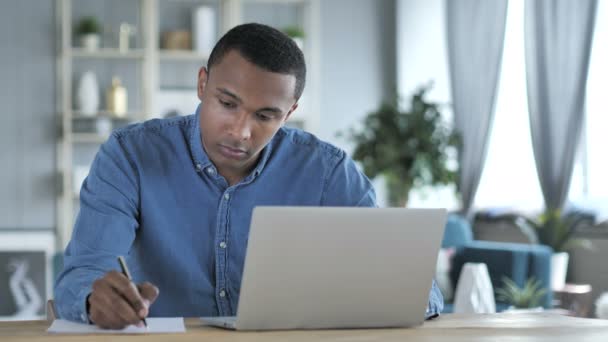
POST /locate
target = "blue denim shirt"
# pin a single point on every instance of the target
(153, 195)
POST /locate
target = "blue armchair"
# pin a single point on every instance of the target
(514, 260)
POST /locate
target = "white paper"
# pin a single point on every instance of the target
(156, 325)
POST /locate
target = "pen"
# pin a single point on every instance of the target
(125, 271)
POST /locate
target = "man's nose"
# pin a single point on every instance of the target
(240, 128)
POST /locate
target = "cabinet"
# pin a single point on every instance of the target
(156, 79)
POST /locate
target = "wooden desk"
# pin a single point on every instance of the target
(452, 327)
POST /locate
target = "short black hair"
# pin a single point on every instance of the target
(266, 47)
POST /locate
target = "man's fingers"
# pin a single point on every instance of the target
(127, 289)
(102, 315)
(122, 308)
(148, 291)
(107, 300)
(105, 319)
(116, 302)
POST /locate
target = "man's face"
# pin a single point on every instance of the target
(243, 106)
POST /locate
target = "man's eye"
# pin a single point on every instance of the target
(263, 117)
(226, 104)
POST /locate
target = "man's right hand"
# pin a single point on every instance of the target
(116, 302)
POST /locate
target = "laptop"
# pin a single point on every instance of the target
(337, 267)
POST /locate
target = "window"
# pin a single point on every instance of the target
(509, 177)
(591, 183)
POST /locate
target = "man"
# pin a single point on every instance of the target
(176, 196)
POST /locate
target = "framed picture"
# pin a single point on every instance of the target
(25, 274)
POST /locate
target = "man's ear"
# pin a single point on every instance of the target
(291, 110)
(203, 76)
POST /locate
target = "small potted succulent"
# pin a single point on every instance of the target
(528, 297)
(88, 31)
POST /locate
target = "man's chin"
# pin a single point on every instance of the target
(232, 154)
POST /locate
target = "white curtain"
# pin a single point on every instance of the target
(475, 36)
(558, 36)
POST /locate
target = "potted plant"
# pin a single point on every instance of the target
(410, 149)
(557, 230)
(295, 33)
(88, 31)
(521, 298)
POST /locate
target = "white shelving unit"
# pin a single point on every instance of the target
(107, 53)
(148, 58)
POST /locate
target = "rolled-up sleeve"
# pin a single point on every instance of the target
(435, 306)
(105, 227)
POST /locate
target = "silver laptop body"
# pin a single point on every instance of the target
(337, 267)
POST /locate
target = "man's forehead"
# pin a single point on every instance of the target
(238, 75)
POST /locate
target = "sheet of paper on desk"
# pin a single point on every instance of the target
(156, 325)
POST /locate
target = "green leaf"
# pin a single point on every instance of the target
(411, 149)
(527, 297)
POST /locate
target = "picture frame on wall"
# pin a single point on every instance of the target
(25, 274)
(23, 284)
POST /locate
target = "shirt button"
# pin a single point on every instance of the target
(199, 167)
(222, 293)
(210, 171)
(223, 244)
(226, 196)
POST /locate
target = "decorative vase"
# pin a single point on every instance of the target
(116, 98)
(559, 269)
(87, 94)
(89, 41)
(203, 31)
(124, 36)
(601, 306)
(474, 290)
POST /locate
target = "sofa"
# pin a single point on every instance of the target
(516, 261)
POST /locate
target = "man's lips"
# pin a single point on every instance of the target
(232, 153)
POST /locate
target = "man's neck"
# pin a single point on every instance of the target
(232, 179)
(234, 176)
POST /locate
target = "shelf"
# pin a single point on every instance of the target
(108, 53)
(159, 79)
(128, 116)
(182, 55)
(90, 138)
(280, 2)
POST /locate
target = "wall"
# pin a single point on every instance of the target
(358, 67)
(421, 48)
(27, 121)
(358, 62)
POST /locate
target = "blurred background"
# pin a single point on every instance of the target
(495, 110)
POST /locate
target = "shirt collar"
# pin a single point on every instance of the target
(199, 156)
(201, 159)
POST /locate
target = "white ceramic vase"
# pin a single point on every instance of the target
(601, 306)
(559, 269)
(203, 31)
(87, 94)
(474, 290)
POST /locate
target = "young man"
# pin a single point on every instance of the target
(176, 196)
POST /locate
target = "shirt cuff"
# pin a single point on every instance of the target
(80, 306)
